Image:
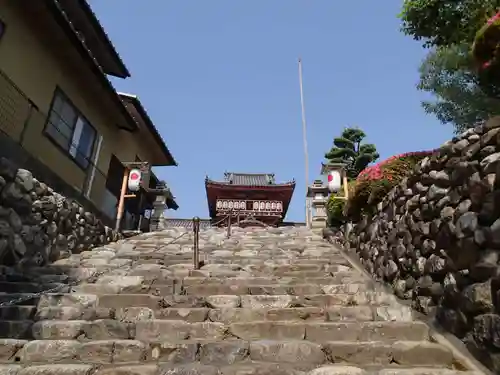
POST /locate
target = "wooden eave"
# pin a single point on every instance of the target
(94, 36)
(213, 188)
(139, 113)
(54, 11)
(228, 186)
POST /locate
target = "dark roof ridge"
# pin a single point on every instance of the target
(55, 7)
(149, 123)
(102, 34)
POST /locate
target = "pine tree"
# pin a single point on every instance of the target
(347, 149)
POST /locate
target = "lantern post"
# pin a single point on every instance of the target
(337, 179)
(134, 176)
(318, 194)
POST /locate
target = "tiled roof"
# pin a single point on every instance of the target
(63, 18)
(94, 36)
(185, 223)
(135, 108)
(250, 179)
(205, 223)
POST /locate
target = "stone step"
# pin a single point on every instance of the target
(297, 267)
(242, 273)
(206, 272)
(180, 253)
(296, 273)
(296, 290)
(339, 278)
(117, 301)
(33, 278)
(260, 261)
(182, 270)
(249, 368)
(304, 354)
(65, 274)
(268, 268)
(220, 289)
(30, 287)
(242, 315)
(222, 315)
(18, 312)
(164, 276)
(411, 371)
(263, 258)
(48, 274)
(82, 270)
(161, 330)
(230, 257)
(158, 277)
(264, 302)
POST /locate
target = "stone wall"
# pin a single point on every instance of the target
(38, 225)
(436, 239)
(13, 150)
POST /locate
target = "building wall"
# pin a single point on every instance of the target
(38, 64)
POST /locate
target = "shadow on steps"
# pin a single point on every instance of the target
(21, 294)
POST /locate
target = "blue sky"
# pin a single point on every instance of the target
(219, 78)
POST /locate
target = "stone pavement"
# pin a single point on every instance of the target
(274, 301)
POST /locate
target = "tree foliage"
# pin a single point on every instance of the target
(448, 73)
(445, 22)
(349, 150)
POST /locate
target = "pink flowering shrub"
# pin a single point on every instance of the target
(375, 181)
(486, 47)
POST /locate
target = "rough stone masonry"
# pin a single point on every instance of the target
(275, 301)
(38, 225)
(436, 239)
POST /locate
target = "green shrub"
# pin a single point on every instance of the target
(335, 210)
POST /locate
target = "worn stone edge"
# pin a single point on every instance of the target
(437, 333)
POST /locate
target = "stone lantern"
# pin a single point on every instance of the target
(318, 195)
(159, 206)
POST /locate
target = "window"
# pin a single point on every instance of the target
(115, 176)
(70, 130)
(2, 29)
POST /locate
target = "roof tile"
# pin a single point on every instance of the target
(185, 223)
(250, 179)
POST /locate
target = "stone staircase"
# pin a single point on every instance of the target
(274, 301)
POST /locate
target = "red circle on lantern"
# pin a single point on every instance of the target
(134, 176)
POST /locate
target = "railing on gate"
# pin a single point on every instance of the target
(196, 243)
(195, 222)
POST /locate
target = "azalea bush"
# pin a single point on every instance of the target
(486, 52)
(375, 181)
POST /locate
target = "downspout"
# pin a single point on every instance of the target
(32, 107)
(92, 172)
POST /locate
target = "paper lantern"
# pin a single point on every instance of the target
(334, 181)
(134, 180)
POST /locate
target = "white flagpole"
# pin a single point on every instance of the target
(304, 138)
